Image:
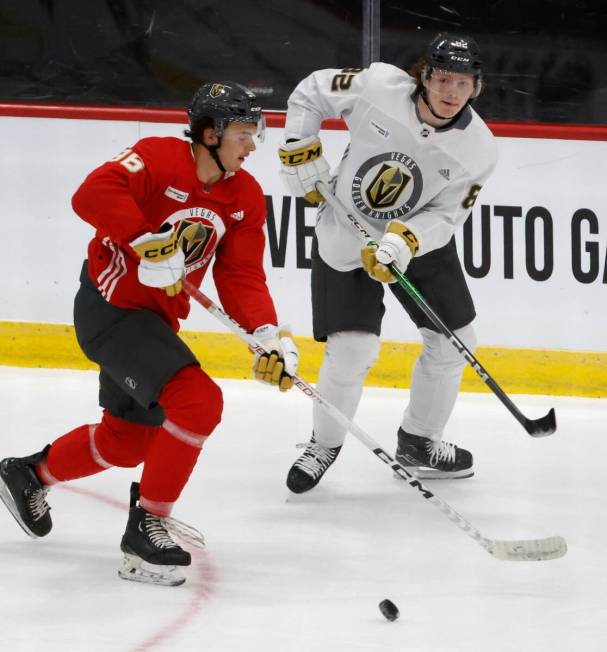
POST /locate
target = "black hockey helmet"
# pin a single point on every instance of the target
(454, 53)
(216, 104)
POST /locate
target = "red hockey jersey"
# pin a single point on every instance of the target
(155, 183)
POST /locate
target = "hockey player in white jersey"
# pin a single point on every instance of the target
(418, 157)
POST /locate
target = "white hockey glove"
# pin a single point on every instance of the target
(398, 245)
(162, 261)
(302, 166)
(279, 365)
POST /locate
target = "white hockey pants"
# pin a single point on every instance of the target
(435, 382)
(348, 357)
(434, 386)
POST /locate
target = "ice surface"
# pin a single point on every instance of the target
(285, 573)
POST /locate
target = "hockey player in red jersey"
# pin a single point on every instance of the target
(162, 210)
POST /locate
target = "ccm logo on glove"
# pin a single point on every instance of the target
(302, 155)
(160, 252)
(303, 165)
(162, 261)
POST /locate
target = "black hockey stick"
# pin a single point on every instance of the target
(541, 427)
(504, 550)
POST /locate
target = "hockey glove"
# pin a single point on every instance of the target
(302, 166)
(398, 245)
(279, 365)
(162, 261)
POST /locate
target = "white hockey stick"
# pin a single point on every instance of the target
(541, 427)
(524, 550)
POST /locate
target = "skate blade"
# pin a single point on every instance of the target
(136, 569)
(428, 473)
(7, 499)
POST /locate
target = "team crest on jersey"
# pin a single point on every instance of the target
(194, 238)
(387, 186)
(199, 231)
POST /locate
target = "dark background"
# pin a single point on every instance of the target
(544, 60)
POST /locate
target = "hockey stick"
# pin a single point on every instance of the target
(524, 550)
(541, 427)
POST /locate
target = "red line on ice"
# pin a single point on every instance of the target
(201, 584)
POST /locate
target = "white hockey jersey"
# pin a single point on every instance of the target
(396, 166)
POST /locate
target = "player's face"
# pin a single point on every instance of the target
(237, 142)
(448, 92)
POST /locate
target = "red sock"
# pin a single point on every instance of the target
(90, 449)
(192, 404)
(122, 443)
(70, 457)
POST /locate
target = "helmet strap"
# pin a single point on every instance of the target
(432, 111)
(212, 149)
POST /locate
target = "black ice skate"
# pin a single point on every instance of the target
(432, 460)
(310, 466)
(24, 495)
(150, 553)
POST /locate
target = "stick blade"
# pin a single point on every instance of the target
(543, 426)
(530, 549)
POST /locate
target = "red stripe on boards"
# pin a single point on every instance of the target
(276, 119)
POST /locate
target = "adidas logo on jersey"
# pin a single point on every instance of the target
(445, 173)
(238, 215)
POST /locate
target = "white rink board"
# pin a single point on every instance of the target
(537, 182)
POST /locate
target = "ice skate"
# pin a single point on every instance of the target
(432, 460)
(24, 495)
(150, 553)
(310, 466)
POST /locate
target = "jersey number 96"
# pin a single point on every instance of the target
(131, 161)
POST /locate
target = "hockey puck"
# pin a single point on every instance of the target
(389, 610)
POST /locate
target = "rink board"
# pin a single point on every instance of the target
(223, 355)
(534, 252)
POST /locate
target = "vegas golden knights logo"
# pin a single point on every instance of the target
(216, 90)
(193, 237)
(387, 186)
